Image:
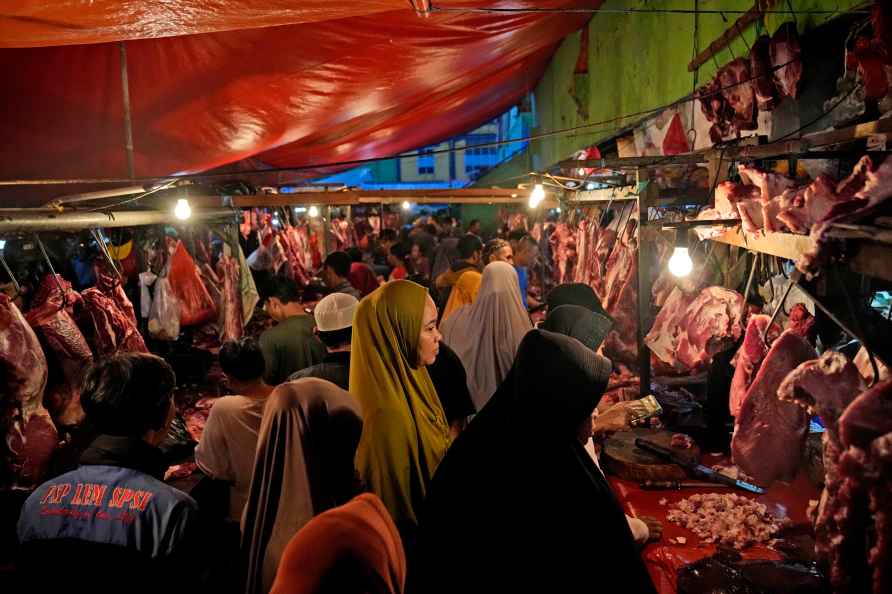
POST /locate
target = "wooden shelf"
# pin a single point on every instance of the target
(784, 245)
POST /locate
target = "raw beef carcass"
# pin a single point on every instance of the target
(715, 109)
(868, 417)
(233, 324)
(588, 268)
(663, 336)
(738, 93)
(760, 71)
(106, 327)
(786, 52)
(875, 190)
(109, 283)
(751, 216)
(809, 206)
(864, 429)
(749, 358)
(711, 324)
(563, 247)
(30, 435)
(770, 184)
(769, 435)
(68, 354)
(727, 195)
(824, 386)
(620, 298)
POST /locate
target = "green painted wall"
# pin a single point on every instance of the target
(637, 62)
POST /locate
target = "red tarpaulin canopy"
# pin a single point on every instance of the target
(212, 83)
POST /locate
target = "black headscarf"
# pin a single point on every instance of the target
(575, 294)
(517, 503)
(451, 381)
(580, 323)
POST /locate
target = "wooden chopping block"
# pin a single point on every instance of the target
(622, 458)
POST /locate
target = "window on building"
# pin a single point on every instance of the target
(426, 161)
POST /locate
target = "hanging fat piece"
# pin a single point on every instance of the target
(785, 53)
(760, 71)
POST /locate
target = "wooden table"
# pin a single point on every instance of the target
(663, 559)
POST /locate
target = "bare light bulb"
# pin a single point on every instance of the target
(182, 210)
(313, 212)
(537, 195)
(406, 205)
(680, 264)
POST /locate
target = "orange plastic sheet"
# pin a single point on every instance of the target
(210, 88)
(663, 559)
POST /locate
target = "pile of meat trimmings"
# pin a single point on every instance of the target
(726, 519)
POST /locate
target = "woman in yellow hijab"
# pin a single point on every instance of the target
(404, 433)
(464, 292)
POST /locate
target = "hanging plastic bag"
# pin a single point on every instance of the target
(146, 280)
(196, 305)
(164, 318)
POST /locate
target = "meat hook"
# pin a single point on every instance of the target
(757, 256)
(794, 280)
(52, 271)
(857, 325)
(100, 239)
(15, 283)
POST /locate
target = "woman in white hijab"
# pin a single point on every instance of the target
(485, 334)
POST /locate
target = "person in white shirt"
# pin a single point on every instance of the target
(227, 447)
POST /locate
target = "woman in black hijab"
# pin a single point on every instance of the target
(575, 294)
(517, 503)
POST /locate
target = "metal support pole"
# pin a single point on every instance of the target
(644, 284)
(128, 122)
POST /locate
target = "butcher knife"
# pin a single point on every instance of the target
(707, 473)
(654, 485)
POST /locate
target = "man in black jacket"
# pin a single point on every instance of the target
(113, 524)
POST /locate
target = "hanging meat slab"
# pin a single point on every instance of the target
(769, 435)
(68, 354)
(738, 93)
(30, 435)
(107, 328)
(786, 56)
(760, 71)
(749, 358)
(872, 187)
(109, 283)
(233, 323)
(663, 336)
(808, 206)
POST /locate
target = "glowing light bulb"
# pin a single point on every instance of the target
(182, 210)
(406, 205)
(590, 185)
(680, 264)
(537, 195)
(313, 212)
